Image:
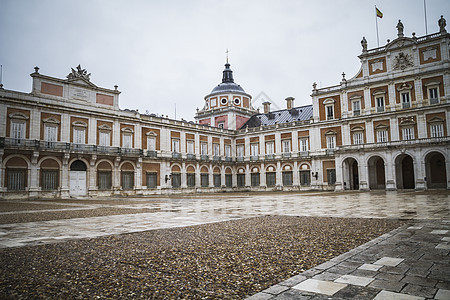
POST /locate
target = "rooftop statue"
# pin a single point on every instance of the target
(364, 44)
(442, 23)
(79, 73)
(400, 29)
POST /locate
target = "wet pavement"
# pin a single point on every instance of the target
(193, 210)
(372, 271)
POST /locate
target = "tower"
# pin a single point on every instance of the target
(227, 106)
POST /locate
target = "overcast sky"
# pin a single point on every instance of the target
(162, 53)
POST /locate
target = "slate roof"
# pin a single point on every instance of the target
(301, 113)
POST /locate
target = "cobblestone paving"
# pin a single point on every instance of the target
(412, 262)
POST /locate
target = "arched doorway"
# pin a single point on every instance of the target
(351, 174)
(78, 178)
(404, 172)
(436, 170)
(377, 177)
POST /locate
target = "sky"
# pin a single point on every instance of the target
(166, 56)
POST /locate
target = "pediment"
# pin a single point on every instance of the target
(81, 82)
(400, 43)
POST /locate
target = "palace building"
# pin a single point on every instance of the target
(385, 128)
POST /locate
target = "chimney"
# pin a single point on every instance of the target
(290, 102)
(266, 107)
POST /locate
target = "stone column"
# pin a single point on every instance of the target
(419, 172)
(262, 173)
(390, 172)
(92, 176)
(278, 181)
(65, 176)
(197, 176)
(248, 180)
(295, 175)
(183, 175)
(210, 176)
(138, 176)
(363, 176)
(34, 176)
(116, 176)
(339, 186)
(2, 171)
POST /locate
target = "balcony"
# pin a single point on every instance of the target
(395, 144)
(270, 156)
(204, 157)
(286, 155)
(176, 155)
(217, 158)
(191, 156)
(303, 154)
(152, 153)
(254, 158)
(240, 159)
(356, 113)
(330, 151)
(228, 159)
(406, 104)
(380, 109)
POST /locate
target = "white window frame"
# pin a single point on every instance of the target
(151, 143)
(408, 133)
(254, 149)
(382, 135)
(379, 99)
(331, 109)
(433, 99)
(406, 99)
(227, 150)
(204, 148)
(303, 144)
(270, 147)
(104, 138)
(331, 141)
(213, 102)
(286, 146)
(436, 130)
(358, 138)
(79, 135)
(190, 146)
(127, 140)
(216, 149)
(356, 107)
(175, 145)
(18, 129)
(240, 150)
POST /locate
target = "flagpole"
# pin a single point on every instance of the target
(425, 12)
(376, 22)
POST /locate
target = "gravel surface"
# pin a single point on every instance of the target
(20, 206)
(227, 260)
(69, 214)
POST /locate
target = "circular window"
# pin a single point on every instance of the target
(224, 101)
(237, 101)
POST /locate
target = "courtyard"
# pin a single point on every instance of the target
(225, 245)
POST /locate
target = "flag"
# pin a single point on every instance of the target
(379, 13)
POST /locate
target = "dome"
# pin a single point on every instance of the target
(227, 87)
(228, 84)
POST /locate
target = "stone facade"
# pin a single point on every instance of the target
(385, 128)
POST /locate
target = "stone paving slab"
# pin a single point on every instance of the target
(419, 270)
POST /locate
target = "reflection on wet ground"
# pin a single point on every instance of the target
(165, 212)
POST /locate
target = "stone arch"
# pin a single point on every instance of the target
(350, 172)
(377, 172)
(129, 165)
(228, 170)
(16, 172)
(435, 169)
(49, 174)
(204, 169)
(104, 164)
(404, 171)
(190, 169)
(44, 162)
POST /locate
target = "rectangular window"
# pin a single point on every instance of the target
(216, 149)
(49, 180)
(240, 150)
(204, 148)
(127, 180)
(269, 148)
(227, 150)
(437, 130)
(433, 94)
(408, 133)
(356, 108)
(286, 146)
(382, 136)
(303, 144)
(331, 176)
(255, 179)
(380, 104)
(176, 180)
(254, 149)
(217, 180)
(330, 112)
(287, 178)
(190, 147)
(152, 180)
(18, 130)
(305, 177)
(190, 179)
(175, 145)
(358, 138)
(406, 101)
(127, 140)
(331, 141)
(151, 143)
(104, 138)
(50, 133)
(228, 180)
(240, 180)
(104, 180)
(79, 135)
(270, 179)
(16, 179)
(204, 180)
